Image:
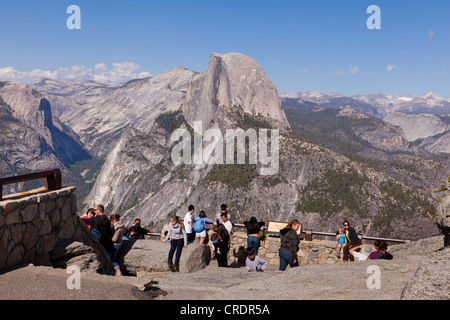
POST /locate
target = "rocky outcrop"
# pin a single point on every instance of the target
(400, 278)
(443, 218)
(431, 281)
(146, 256)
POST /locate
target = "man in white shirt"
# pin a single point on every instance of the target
(188, 222)
(227, 223)
(223, 208)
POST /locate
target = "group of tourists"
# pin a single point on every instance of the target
(181, 233)
(348, 240)
(111, 233)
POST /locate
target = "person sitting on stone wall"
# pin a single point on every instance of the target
(353, 242)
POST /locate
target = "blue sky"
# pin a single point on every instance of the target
(302, 45)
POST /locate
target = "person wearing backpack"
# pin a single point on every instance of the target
(101, 227)
(253, 233)
(200, 227)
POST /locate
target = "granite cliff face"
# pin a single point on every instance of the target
(99, 114)
(417, 126)
(233, 81)
(30, 139)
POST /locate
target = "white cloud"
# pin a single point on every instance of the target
(11, 73)
(101, 67)
(353, 69)
(119, 72)
(390, 67)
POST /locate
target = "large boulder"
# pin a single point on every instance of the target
(143, 256)
(443, 219)
(431, 279)
(70, 252)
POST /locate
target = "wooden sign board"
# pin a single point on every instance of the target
(276, 226)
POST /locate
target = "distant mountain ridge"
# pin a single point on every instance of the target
(424, 119)
(377, 105)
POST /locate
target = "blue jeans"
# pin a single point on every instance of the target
(253, 242)
(176, 245)
(113, 256)
(286, 259)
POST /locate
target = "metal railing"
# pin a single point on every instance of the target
(309, 235)
(53, 179)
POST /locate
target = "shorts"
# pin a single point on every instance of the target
(201, 234)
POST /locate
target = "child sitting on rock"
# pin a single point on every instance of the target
(216, 239)
(254, 262)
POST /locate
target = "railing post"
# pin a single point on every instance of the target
(54, 181)
(308, 235)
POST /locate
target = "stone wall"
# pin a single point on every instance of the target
(311, 252)
(32, 226)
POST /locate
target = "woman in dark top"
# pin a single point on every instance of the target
(289, 245)
(253, 228)
(224, 246)
(353, 241)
